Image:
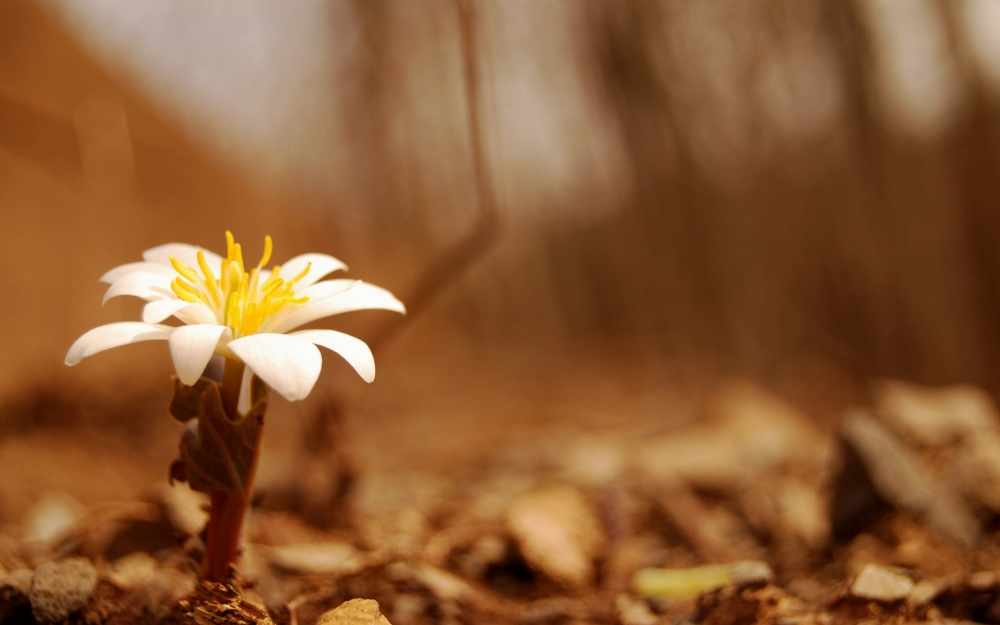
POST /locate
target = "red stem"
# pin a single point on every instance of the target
(225, 523)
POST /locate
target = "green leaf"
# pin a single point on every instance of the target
(216, 453)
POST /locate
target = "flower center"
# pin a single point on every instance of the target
(240, 300)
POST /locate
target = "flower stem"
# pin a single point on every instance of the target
(232, 378)
(225, 523)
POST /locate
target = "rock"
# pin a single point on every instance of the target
(935, 417)
(880, 584)
(750, 432)
(61, 588)
(15, 588)
(355, 612)
(324, 558)
(631, 611)
(750, 572)
(558, 534)
(880, 472)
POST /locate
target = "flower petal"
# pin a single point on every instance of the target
(290, 365)
(164, 270)
(188, 254)
(148, 286)
(195, 314)
(326, 288)
(112, 335)
(243, 403)
(321, 266)
(362, 296)
(157, 311)
(192, 347)
(354, 350)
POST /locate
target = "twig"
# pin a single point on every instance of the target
(450, 265)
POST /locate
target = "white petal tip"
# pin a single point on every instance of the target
(396, 306)
(188, 380)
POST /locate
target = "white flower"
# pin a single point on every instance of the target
(241, 315)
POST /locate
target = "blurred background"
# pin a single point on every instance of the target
(592, 209)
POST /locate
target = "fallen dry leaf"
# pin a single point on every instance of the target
(558, 534)
(325, 558)
(935, 416)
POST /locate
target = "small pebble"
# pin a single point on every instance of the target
(880, 584)
(61, 588)
(355, 612)
(749, 572)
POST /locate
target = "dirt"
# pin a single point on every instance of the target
(632, 499)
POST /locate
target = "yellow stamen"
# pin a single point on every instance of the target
(252, 319)
(205, 269)
(268, 248)
(271, 285)
(235, 276)
(241, 300)
(238, 256)
(302, 274)
(230, 306)
(274, 274)
(274, 307)
(184, 291)
(239, 305)
(184, 270)
(210, 282)
(254, 278)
